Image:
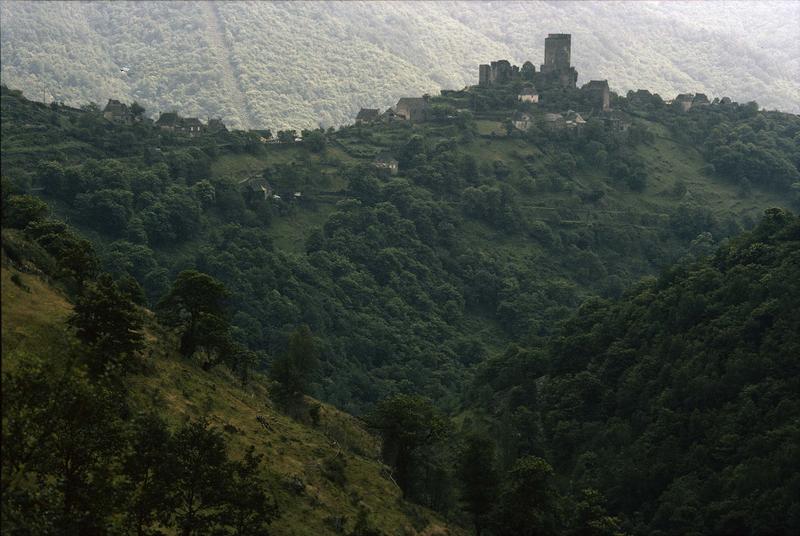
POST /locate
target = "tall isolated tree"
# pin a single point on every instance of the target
(147, 469)
(295, 369)
(248, 509)
(197, 304)
(479, 479)
(406, 424)
(110, 323)
(528, 504)
(201, 477)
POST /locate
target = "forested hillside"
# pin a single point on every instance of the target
(486, 235)
(573, 316)
(678, 401)
(684, 390)
(108, 429)
(298, 65)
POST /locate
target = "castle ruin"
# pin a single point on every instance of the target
(556, 70)
(598, 95)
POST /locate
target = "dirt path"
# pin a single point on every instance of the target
(223, 50)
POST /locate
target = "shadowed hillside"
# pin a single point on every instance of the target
(321, 478)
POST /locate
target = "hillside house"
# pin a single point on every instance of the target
(168, 121)
(367, 115)
(598, 95)
(386, 162)
(412, 108)
(255, 189)
(389, 116)
(700, 99)
(191, 126)
(117, 112)
(573, 120)
(528, 94)
(553, 121)
(683, 101)
(216, 125)
(522, 121)
(172, 122)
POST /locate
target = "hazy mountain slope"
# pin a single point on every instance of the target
(301, 64)
(667, 47)
(72, 52)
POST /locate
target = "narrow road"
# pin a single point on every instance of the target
(223, 51)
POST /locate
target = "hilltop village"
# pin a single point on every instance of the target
(119, 112)
(507, 100)
(549, 97)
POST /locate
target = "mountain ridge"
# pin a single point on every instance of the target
(303, 65)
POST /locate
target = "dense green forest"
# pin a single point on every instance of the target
(577, 331)
(679, 401)
(411, 280)
(299, 65)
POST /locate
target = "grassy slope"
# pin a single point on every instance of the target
(288, 232)
(34, 322)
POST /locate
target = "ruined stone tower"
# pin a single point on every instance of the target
(557, 52)
(556, 69)
(484, 75)
(499, 72)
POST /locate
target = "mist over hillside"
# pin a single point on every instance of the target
(277, 65)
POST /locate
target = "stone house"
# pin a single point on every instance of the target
(598, 95)
(683, 101)
(216, 125)
(255, 189)
(554, 121)
(412, 108)
(367, 115)
(389, 116)
(386, 162)
(528, 94)
(700, 99)
(172, 122)
(168, 121)
(522, 121)
(117, 112)
(573, 120)
(191, 126)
